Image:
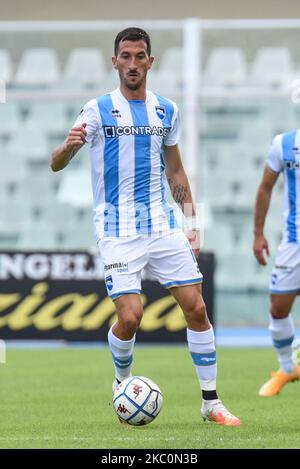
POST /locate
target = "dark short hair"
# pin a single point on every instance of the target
(133, 34)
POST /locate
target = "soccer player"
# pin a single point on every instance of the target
(133, 136)
(284, 157)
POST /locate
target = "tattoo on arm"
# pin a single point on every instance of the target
(179, 192)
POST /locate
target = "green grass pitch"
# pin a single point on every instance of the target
(62, 399)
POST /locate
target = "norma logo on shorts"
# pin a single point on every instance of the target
(120, 266)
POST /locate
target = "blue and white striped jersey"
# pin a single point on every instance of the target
(127, 141)
(284, 156)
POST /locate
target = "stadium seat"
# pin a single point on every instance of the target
(31, 145)
(81, 238)
(3, 193)
(6, 70)
(233, 160)
(79, 233)
(85, 66)
(219, 239)
(39, 236)
(272, 67)
(168, 77)
(111, 81)
(12, 166)
(10, 119)
(37, 190)
(279, 113)
(246, 185)
(171, 61)
(60, 215)
(214, 128)
(9, 241)
(38, 67)
(226, 66)
(236, 271)
(218, 190)
(272, 231)
(49, 117)
(14, 216)
(257, 136)
(73, 108)
(75, 189)
(213, 150)
(230, 177)
(164, 82)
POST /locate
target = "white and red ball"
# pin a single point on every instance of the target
(137, 400)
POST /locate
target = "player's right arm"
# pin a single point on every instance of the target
(62, 155)
(263, 197)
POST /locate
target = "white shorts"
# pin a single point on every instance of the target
(167, 258)
(286, 273)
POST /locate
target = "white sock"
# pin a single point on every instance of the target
(283, 331)
(203, 352)
(122, 353)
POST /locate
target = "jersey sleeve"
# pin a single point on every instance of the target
(89, 115)
(274, 160)
(174, 135)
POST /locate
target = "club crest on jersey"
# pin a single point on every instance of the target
(109, 282)
(161, 112)
(115, 113)
(274, 279)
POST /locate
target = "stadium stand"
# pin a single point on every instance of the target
(85, 67)
(226, 66)
(38, 67)
(272, 67)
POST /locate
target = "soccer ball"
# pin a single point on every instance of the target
(137, 400)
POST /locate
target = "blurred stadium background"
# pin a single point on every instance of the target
(232, 74)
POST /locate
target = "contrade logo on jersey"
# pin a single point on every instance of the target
(111, 131)
(291, 164)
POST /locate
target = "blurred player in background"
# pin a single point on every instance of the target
(284, 157)
(133, 136)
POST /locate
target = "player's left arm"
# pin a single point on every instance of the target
(181, 191)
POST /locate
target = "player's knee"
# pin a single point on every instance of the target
(131, 319)
(196, 311)
(131, 323)
(278, 312)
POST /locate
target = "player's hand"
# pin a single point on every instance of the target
(76, 137)
(194, 238)
(260, 248)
